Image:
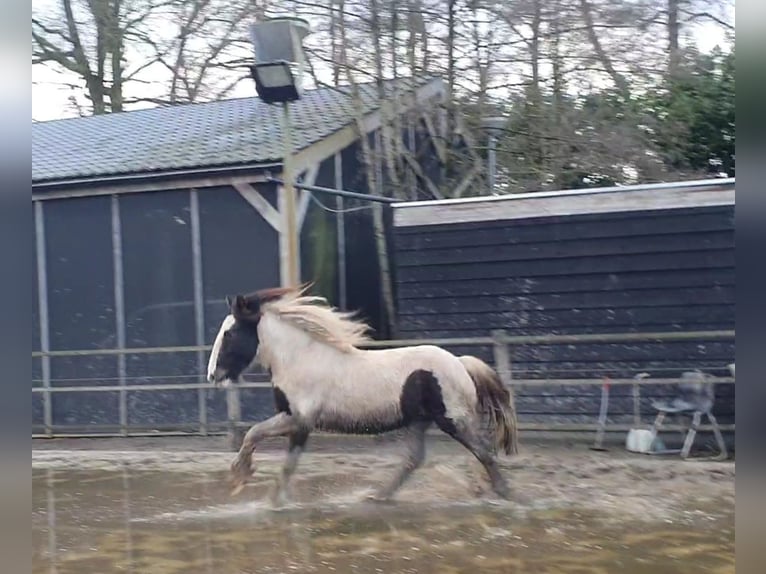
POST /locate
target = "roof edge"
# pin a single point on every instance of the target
(689, 185)
(42, 188)
(147, 181)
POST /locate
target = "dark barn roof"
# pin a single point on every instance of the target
(234, 132)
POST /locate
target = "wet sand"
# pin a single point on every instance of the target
(163, 506)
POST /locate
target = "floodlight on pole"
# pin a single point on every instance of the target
(278, 73)
(494, 126)
(274, 82)
(278, 47)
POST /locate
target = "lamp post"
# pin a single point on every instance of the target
(494, 126)
(278, 46)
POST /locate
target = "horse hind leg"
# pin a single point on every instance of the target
(465, 434)
(296, 445)
(415, 440)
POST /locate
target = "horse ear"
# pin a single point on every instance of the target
(229, 302)
(238, 304)
(241, 308)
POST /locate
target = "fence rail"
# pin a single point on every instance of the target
(500, 341)
(453, 342)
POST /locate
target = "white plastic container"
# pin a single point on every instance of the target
(640, 440)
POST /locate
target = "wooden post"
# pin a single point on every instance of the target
(289, 221)
(234, 413)
(502, 356)
(636, 405)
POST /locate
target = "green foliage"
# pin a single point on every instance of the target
(696, 115)
(684, 127)
(319, 251)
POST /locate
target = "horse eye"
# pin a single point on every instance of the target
(227, 335)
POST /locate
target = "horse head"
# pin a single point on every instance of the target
(236, 344)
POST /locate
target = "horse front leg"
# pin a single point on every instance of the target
(278, 425)
(297, 443)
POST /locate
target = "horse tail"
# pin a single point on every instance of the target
(495, 399)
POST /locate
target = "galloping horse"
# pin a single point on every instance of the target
(322, 380)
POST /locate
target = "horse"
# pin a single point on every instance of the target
(322, 380)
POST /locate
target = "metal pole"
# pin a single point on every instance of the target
(340, 222)
(491, 161)
(338, 192)
(290, 219)
(199, 305)
(42, 302)
(119, 311)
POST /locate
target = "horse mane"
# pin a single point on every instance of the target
(314, 315)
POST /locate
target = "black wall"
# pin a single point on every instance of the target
(648, 271)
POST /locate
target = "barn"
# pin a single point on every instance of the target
(145, 220)
(654, 258)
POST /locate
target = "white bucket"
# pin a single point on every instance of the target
(640, 440)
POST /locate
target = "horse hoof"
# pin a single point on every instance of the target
(241, 469)
(278, 500)
(239, 478)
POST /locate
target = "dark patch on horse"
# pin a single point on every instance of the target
(421, 401)
(281, 402)
(298, 438)
(370, 426)
(240, 344)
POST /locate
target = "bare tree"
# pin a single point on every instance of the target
(374, 179)
(88, 40)
(208, 54)
(569, 74)
(157, 51)
(604, 59)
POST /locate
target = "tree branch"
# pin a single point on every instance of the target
(708, 16)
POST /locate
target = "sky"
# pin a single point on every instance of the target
(51, 101)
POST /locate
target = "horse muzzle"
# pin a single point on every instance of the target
(217, 377)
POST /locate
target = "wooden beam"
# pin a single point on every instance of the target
(435, 191)
(470, 142)
(304, 196)
(315, 153)
(260, 204)
(435, 138)
(284, 256)
(467, 180)
(303, 207)
(311, 174)
(522, 206)
(326, 148)
(118, 189)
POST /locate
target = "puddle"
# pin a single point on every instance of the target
(147, 520)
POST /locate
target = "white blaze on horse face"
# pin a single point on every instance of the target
(227, 324)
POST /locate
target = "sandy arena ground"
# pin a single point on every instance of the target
(547, 474)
